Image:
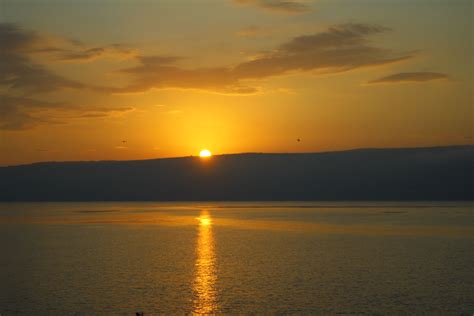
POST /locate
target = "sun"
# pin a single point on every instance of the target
(205, 153)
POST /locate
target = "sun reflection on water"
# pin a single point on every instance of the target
(205, 268)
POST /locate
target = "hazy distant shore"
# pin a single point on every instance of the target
(411, 174)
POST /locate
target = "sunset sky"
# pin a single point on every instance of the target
(116, 79)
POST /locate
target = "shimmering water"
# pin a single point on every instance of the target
(311, 258)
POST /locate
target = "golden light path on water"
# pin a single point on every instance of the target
(205, 268)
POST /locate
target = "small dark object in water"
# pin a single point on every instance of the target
(298, 140)
(139, 314)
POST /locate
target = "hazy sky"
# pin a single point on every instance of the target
(170, 77)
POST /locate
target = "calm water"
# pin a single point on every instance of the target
(318, 258)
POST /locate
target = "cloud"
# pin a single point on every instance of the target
(15, 39)
(340, 48)
(19, 72)
(337, 49)
(411, 77)
(14, 114)
(11, 118)
(160, 72)
(101, 112)
(22, 81)
(278, 6)
(90, 54)
(21, 113)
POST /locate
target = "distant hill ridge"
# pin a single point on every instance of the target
(432, 173)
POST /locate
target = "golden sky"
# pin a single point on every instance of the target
(123, 79)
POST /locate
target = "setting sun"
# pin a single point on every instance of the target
(205, 153)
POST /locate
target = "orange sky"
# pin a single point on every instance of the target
(172, 77)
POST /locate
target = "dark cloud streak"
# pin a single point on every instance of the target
(90, 54)
(411, 77)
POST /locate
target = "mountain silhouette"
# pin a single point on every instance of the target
(435, 173)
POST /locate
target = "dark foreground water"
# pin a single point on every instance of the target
(311, 258)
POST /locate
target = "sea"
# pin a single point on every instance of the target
(318, 258)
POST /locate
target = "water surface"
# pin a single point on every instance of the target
(311, 257)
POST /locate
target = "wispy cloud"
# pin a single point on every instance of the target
(21, 113)
(19, 72)
(340, 48)
(160, 72)
(278, 6)
(12, 118)
(22, 81)
(337, 49)
(16, 40)
(85, 54)
(411, 77)
(101, 112)
(18, 113)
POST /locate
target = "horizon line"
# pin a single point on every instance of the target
(242, 153)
